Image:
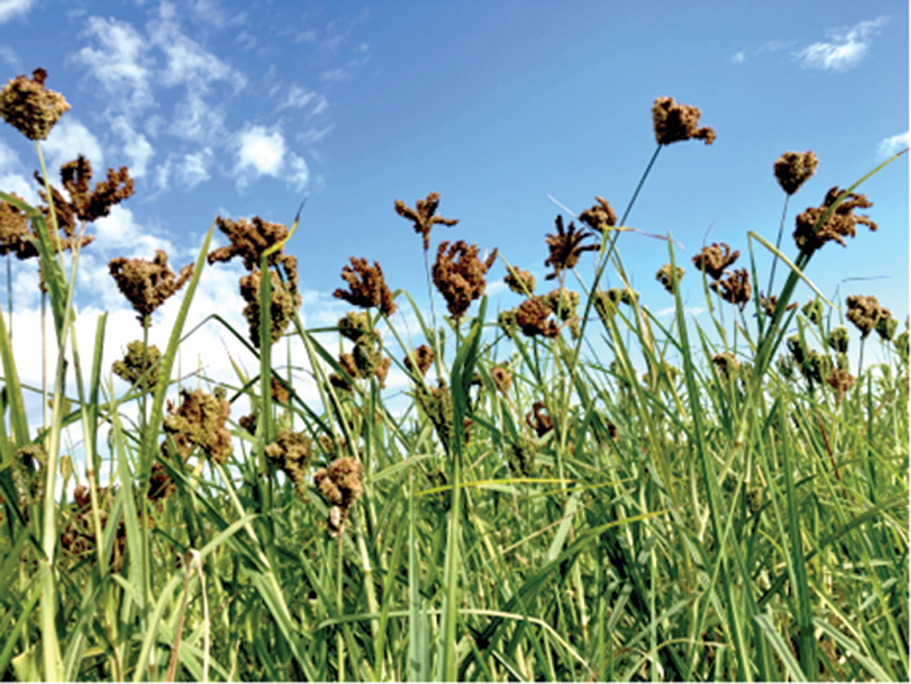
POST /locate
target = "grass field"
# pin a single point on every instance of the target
(575, 490)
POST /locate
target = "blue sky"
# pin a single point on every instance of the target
(245, 108)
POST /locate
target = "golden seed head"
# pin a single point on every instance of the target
(793, 169)
(677, 122)
(29, 107)
(459, 275)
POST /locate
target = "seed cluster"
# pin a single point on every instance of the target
(793, 169)
(29, 107)
(841, 223)
(147, 284)
(341, 484)
(366, 287)
(460, 276)
(423, 216)
(677, 122)
(199, 421)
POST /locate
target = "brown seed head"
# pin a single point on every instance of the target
(367, 287)
(459, 275)
(91, 205)
(291, 453)
(250, 240)
(14, 232)
(423, 216)
(736, 289)
(666, 278)
(29, 107)
(677, 122)
(865, 313)
(566, 247)
(532, 318)
(284, 301)
(130, 368)
(520, 281)
(841, 381)
(147, 284)
(538, 420)
(502, 379)
(712, 260)
(599, 217)
(841, 223)
(769, 304)
(424, 357)
(200, 421)
(793, 169)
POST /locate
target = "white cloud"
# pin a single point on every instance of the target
(188, 63)
(122, 64)
(119, 231)
(844, 49)
(193, 170)
(10, 8)
(135, 146)
(739, 57)
(299, 176)
(260, 153)
(197, 120)
(8, 55)
(68, 139)
(298, 97)
(15, 182)
(890, 146)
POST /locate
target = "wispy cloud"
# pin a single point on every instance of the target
(739, 57)
(136, 147)
(68, 140)
(10, 8)
(890, 146)
(844, 49)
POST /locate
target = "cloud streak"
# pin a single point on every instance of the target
(844, 49)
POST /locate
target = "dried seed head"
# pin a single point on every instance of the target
(813, 311)
(677, 122)
(14, 232)
(502, 379)
(291, 453)
(533, 318)
(712, 260)
(666, 278)
(599, 217)
(566, 247)
(841, 381)
(161, 486)
(147, 284)
(736, 289)
(520, 281)
(424, 357)
(200, 422)
(29, 107)
(89, 205)
(249, 241)
(423, 216)
(130, 368)
(793, 169)
(864, 313)
(459, 275)
(769, 304)
(284, 302)
(841, 223)
(367, 287)
(538, 420)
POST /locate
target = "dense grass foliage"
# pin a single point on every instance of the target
(575, 491)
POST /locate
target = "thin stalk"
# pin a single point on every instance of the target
(784, 214)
